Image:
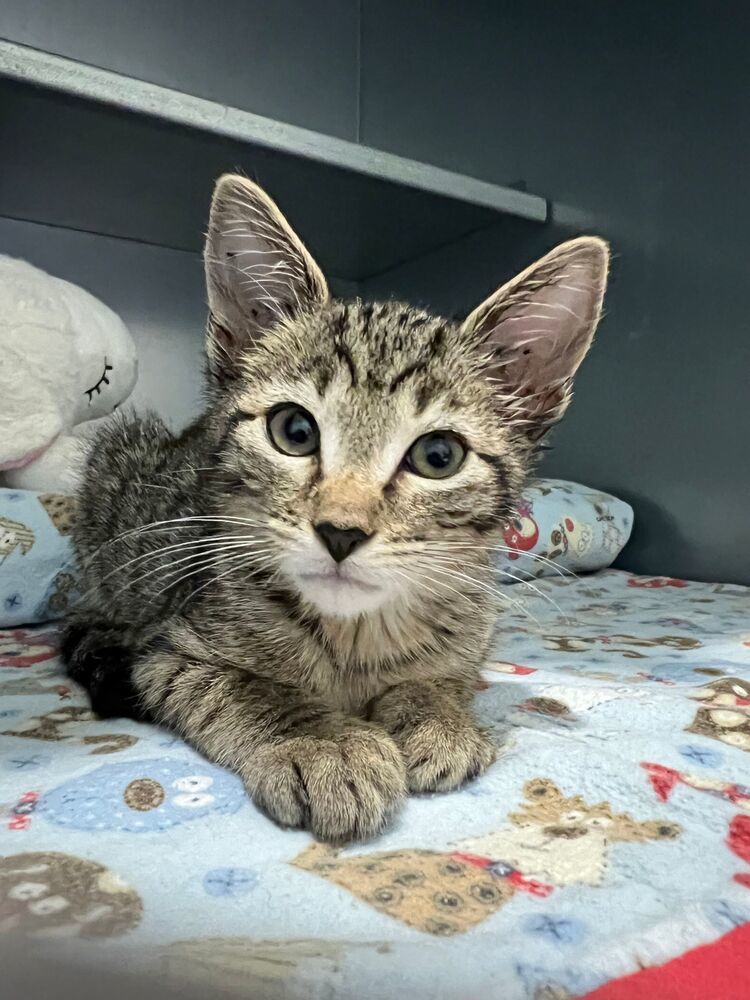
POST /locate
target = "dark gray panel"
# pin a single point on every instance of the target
(104, 89)
(537, 91)
(635, 120)
(289, 59)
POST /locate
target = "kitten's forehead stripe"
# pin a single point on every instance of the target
(344, 356)
(241, 416)
(376, 377)
(408, 372)
(322, 373)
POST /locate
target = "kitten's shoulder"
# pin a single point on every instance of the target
(138, 471)
(129, 443)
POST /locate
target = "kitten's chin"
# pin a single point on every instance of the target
(338, 597)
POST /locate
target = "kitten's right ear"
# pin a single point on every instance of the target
(258, 272)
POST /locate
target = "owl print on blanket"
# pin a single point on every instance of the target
(141, 796)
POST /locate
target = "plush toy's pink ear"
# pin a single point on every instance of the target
(534, 331)
(30, 418)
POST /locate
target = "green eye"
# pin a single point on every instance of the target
(436, 456)
(292, 430)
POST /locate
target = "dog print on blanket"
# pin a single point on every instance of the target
(724, 713)
(552, 841)
(50, 893)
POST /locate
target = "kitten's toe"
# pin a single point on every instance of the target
(345, 787)
(278, 789)
(440, 758)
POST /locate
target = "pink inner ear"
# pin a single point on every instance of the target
(545, 337)
(536, 330)
(540, 325)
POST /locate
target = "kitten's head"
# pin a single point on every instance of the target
(374, 448)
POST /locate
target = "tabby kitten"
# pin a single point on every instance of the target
(300, 584)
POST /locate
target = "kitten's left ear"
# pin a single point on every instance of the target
(534, 332)
(258, 272)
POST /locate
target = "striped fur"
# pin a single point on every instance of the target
(331, 699)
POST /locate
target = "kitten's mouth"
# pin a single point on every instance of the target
(339, 591)
(337, 581)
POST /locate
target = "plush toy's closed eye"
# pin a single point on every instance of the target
(104, 380)
(65, 358)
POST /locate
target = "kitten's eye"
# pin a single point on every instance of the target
(292, 430)
(437, 455)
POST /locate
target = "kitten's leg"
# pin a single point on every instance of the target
(442, 744)
(99, 658)
(304, 764)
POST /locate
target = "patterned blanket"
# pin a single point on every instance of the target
(613, 831)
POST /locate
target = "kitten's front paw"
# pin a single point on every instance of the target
(344, 787)
(440, 755)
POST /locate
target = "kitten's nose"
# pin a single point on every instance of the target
(340, 542)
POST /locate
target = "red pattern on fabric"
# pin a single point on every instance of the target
(716, 971)
(44, 645)
(738, 838)
(515, 878)
(663, 779)
(472, 859)
(530, 885)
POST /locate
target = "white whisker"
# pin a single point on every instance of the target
(520, 580)
(203, 541)
(206, 555)
(214, 580)
(496, 594)
(212, 560)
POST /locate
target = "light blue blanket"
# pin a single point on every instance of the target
(613, 831)
(37, 579)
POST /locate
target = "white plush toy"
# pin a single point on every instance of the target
(65, 358)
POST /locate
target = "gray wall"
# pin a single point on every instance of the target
(633, 118)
